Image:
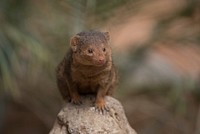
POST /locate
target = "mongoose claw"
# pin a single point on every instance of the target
(76, 101)
(102, 109)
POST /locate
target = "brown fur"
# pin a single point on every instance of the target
(87, 68)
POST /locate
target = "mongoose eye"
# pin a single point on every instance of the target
(90, 50)
(104, 49)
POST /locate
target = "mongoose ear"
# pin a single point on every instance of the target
(107, 35)
(74, 42)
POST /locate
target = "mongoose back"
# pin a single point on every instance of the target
(87, 68)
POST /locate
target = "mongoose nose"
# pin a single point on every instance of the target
(101, 60)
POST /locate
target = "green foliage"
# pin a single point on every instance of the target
(20, 54)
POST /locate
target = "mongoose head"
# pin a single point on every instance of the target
(91, 48)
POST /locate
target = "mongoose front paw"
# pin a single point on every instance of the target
(101, 107)
(76, 100)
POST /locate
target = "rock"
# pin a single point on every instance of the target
(84, 119)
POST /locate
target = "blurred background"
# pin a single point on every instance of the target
(156, 48)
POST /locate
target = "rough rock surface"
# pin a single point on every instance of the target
(84, 119)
